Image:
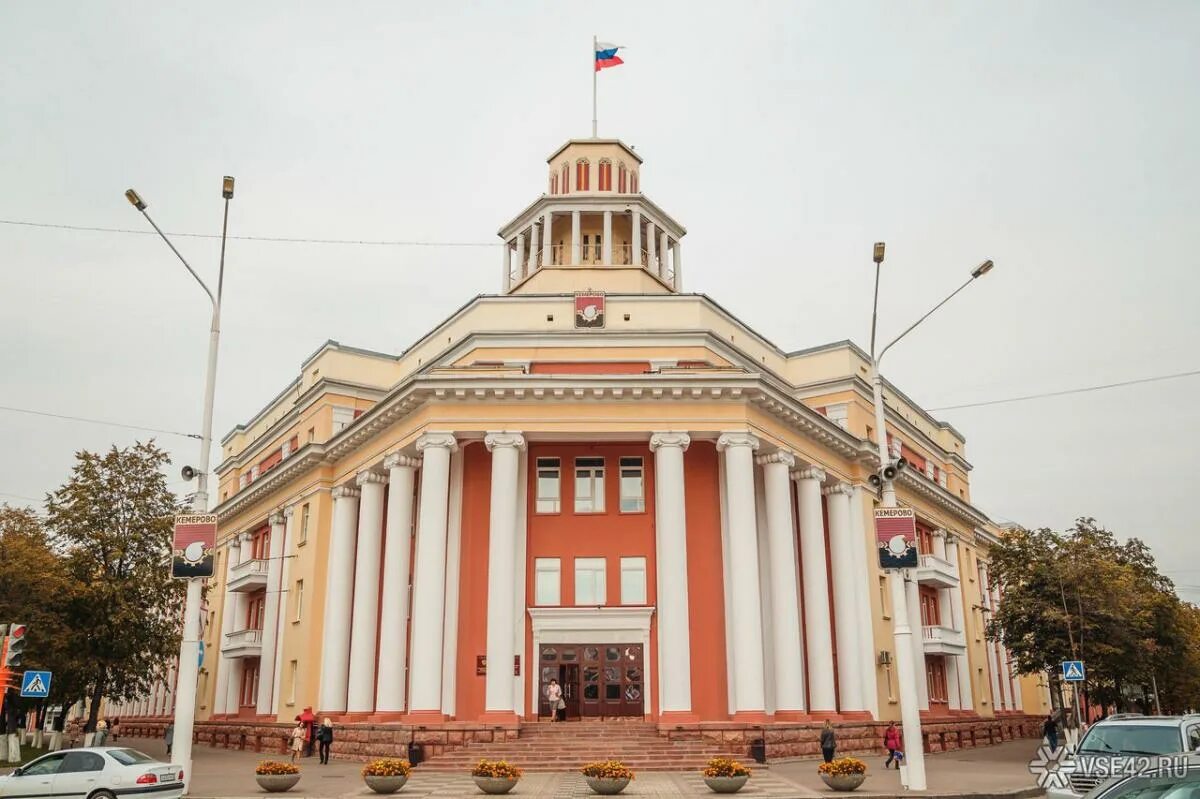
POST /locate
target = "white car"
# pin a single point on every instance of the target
(98, 772)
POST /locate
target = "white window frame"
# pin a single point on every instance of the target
(634, 565)
(625, 464)
(342, 418)
(299, 614)
(304, 516)
(595, 480)
(294, 673)
(591, 567)
(547, 566)
(547, 464)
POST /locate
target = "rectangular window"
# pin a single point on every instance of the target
(299, 601)
(589, 485)
(633, 581)
(549, 488)
(633, 486)
(303, 524)
(293, 678)
(883, 597)
(547, 583)
(312, 434)
(589, 581)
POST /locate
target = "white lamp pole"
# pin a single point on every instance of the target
(906, 676)
(189, 647)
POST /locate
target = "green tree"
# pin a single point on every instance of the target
(113, 519)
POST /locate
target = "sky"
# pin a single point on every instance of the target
(1057, 139)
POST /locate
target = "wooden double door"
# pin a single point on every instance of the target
(597, 680)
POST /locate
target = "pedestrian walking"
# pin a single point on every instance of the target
(891, 742)
(116, 728)
(1070, 724)
(828, 741)
(298, 735)
(1050, 732)
(554, 696)
(169, 736)
(324, 740)
(101, 733)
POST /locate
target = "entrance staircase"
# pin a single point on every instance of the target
(566, 746)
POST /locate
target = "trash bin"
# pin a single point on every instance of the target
(758, 750)
(416, 753)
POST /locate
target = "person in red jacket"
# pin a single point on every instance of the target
(891, 742)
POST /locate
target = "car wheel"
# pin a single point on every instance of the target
(102, 795)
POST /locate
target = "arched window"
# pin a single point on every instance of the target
(566, 174)
(622, 181)
(604, 179)
(633, 182)
(554, 184)
(582, 175)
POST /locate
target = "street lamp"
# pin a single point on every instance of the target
(189, 647)
(906, 676)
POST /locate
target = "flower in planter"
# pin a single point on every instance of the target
(496, 769)
(608, 770)
(842, 767)
(387, 767)
(275, 768)
(725, 767)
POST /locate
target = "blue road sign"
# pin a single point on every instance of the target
(200, 656)
(1072, 670)
(36, 684)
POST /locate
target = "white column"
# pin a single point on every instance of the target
(912, 598)
(547, 238)
(785, 599)
(234, 686)
(866, 588)
(606, 245)
(289, 535)
(636, 257)
(845, 598)
(225, 664)
(506, 278)
(663, 254)
(360, 694)
(397, 557)
(429, 576)
(817, 633)
(339, 583)
(678, 283)
(651, 240)
(266, 664)
(749, 693)
(670, 547)
(521, 252)
(993, 668)
(576, 240)
(946, 619)
(502, 547)
(961, 664)
(534, 249)
(1006, 688)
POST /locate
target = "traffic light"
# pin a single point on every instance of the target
(16, 646)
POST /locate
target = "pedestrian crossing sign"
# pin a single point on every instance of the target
(1072, 670)
(36, 684)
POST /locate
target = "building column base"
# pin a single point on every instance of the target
(386, 716)
(667, 718)
(750, 717)
(856, 715)
(791, 715)
(500, 718)
(425, 717)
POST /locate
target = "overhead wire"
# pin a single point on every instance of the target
(87, 420)
(1065, 392)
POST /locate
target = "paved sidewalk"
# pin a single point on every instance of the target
(998, 771)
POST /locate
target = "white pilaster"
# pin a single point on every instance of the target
(817, 633)
(946, 619)
(678, 282)
(785, 599)
(547, 238)
(393, 612)
(521, 253)
(360, 694)
(636, 257)
(990, 646)
(534, 249)
(606, 245)
(266, 664)
(912, 596)
(845, 598)
(670, 516)
(866, 588)
(1006, 686)
(237, 665)
(576, 240)
(225, 665)
(651, 241)
(453, 582)
(502, 544)
(749, 694)
(506, 278)
(429, 578)
(663, 254)
(339, 583)
(961, 665)
(289, 536)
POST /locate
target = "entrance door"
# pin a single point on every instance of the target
(569, 680)
(597, 680)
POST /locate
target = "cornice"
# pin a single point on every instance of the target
(600, 201)
(926, 488)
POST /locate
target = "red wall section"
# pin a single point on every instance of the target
(706, 595)
(473, 578)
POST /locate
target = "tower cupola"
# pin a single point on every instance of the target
(593, 228)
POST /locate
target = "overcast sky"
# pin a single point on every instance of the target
(1059, 139)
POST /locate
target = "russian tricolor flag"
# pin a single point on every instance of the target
(606, 55)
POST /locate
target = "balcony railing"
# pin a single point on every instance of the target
(939, 639)
(243, 644)
(249, 575)
(937, 571)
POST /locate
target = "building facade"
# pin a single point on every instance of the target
(598, 478)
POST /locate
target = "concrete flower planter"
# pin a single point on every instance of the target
(726, 784)
(605, 786)
(276, 783)
(385, 784)
(843, 782)
(495, 785)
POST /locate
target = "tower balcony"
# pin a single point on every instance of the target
(937, 572)
(941, 640)
(247, 576)
(242, 644)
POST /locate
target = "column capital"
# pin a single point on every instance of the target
(345, 492)
(235, 542)
(276, 519)
(839, 488)
(245, 536)
(939, 533)
(670, 439)
(779, 456)
(810, 473)
(498, 439)
(737, 439)
(289, 511)
(442, 440)
(363, 478)
(399, 459)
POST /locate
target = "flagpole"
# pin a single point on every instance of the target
(595, 44)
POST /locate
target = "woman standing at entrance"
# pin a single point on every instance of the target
(554, 696)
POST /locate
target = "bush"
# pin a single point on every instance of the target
(843, 766)
(497, 769)
(608, 770)
(725, 767)
(275, 768)
(387, 767)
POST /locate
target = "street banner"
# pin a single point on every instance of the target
(193, 546)
(896, 538)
